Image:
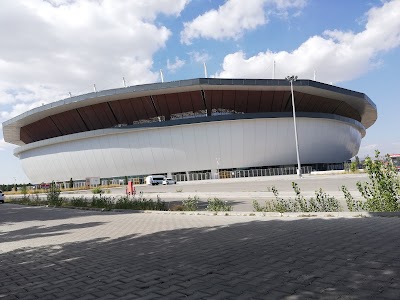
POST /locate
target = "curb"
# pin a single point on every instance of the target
(239, 213)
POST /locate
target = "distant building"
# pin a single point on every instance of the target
(198, 125)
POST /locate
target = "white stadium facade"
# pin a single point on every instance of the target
(179, 128)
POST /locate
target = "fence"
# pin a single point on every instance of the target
(242, 173)
(222, 174)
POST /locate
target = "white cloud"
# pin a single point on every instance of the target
(199, 57)
(5, 146)
(336, 55)
(61, 46)
(179, 63)
(233, 18)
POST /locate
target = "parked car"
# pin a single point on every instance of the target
(154, 179)
(168, 181)
(1, 197)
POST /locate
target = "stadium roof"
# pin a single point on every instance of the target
(109, 108)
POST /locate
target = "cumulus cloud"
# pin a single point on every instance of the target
(173, 66)
(335, 55)
(61, 46)
(233, 18)
(199, 57)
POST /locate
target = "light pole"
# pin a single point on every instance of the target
(291, 79)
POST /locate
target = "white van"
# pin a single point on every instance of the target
(154, 179)
(1, 197)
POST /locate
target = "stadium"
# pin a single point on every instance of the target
(207, 126)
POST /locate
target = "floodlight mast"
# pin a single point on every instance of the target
(291, 79)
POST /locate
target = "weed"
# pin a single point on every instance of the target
(79, 202)
(191, 204)
(352, 205)
(217, 204)
(53, 195)
(321, 203)
(382, 192)
(97, 190)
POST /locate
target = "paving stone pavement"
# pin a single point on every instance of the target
(52, 253)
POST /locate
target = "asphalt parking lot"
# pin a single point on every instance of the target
(58, 253)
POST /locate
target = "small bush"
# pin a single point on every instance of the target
(102, 202)
(217, 204)
(97, 190)
(382, 192)
(352, 205)
(79, 202)
(24, 191)
(353, 167)
(140, 204)
(53, 195)
(321, 203)
(191, 204)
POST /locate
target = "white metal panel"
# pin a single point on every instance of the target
(203, 146)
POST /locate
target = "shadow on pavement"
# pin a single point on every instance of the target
(43, 231)
(268, 259)
(14, 213)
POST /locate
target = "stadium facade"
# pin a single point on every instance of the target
(196, 125)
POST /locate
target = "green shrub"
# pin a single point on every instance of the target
(382, 192)
(97, 190)
(217, 204)
(53, 195)
(79, 202)
(102, 202)
(353, 167)
(140, 204)
(321, 203)
(191, 204)
(352, 205)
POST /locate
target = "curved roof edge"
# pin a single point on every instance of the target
(145, 126)
(361, 102)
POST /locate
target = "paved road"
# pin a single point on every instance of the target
(262, 184)
(49, 253)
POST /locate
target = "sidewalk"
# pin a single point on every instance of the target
(55, 253)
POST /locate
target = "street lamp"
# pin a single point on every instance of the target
(291, 79)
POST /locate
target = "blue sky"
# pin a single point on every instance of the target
(53, 47)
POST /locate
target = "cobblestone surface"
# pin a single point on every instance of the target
(49, 253)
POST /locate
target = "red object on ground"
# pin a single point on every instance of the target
(130, 188)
